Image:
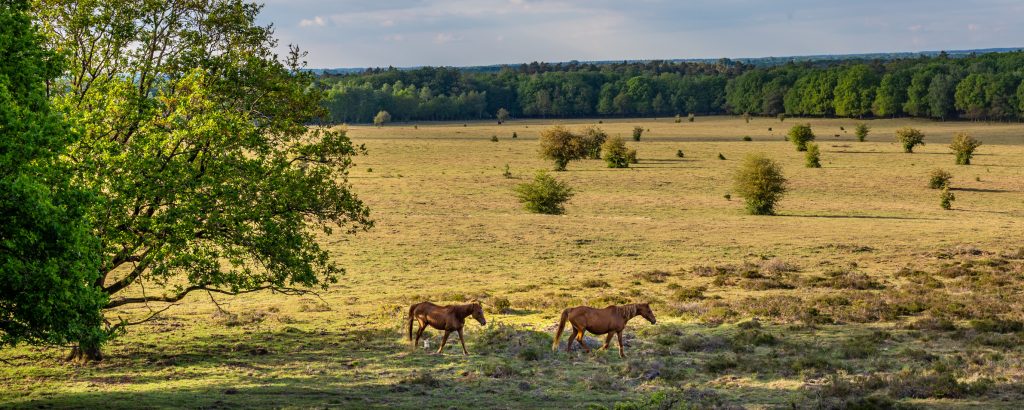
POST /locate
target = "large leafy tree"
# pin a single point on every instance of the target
(48, 258)
(196, 135)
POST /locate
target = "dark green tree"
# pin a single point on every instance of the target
(49, 257)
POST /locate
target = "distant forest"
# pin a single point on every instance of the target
(976, 87)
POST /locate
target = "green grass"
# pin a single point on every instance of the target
(863, 287)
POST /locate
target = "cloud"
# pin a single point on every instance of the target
(361, 33)
(315, 21)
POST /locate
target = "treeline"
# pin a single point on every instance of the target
(981, 87)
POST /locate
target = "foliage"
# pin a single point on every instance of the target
(197, 139)
(631, 156)
(382, 117)
(561, 146)
(48, 255)
(616, 155)
(946, 198)
(637, 132)
(939, 178)
(812, 158)
(593, 138)
(800, 135)
(544, 195)
(680, 154)
(909, 138)
(862, 131)
(502, 115)
(759, 181)
(963, 146)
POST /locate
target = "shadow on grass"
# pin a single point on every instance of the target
(984, 190)
(907, 218)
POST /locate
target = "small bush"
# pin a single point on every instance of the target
(746, 117)
(760, 182)
(615, 153)
(631, 156)
(747, 138)
(561, 146)
(498, 304)
(691, 117)
(727, 196)
(909, 138)
(507, 173)
(593, 138)
(637, 132)
(946, 198)
(679, 118)
(514, 135)
(939, 178)
(382, 117)
(545, 195)
(782, 117)
(494, 138)
(679, 153)
(800, 135)
(862, 131)
(721, 157)
(689, 293)
(653, 276)
(595, 283)
(812, 159)
(963, 146)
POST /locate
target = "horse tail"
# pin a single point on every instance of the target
(412, 316)
(561, 327)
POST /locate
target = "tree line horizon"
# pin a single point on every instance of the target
(976, 87)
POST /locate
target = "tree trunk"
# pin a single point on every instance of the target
(85, 352)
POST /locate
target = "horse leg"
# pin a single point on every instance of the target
(419, 333)
(579, 338)
(463, 342)
(443, 341)
(607, 341)
(572, 339)
(621, 353)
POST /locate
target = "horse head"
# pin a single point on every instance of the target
(644, 310)
(478, 312)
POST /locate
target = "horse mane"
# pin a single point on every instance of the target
(627, 311)
(465, 310)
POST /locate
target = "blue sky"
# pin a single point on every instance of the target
(351, 33)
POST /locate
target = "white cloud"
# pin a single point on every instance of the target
(314, 22)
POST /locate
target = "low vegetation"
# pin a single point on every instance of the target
(544, 195)
(963, 147)
(800, 135)
(760, 183)
(909, 138)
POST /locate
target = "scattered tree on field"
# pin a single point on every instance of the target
(800, 135)
(939, 178)
(963, 146)
(593, 138)
(615, 153)
(759, 181)
(812, 158)
(561, 146)
(502, 115)
(382, 117)
(637, 132)
(544, 195)
(909, 138)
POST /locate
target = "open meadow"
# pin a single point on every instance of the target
(861, 291)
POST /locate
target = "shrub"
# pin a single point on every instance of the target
(502, 115)
(494, 138)
(545, 195)
(746, 117)
(679, 153)
(679, 118)
(637, 132)
(862, 131)
(800, 135)
(595, 283)
(963, 146)
(747, 138)
(514, 135)
(560, 145)
(721, 157)
(691, 117)
(507, 173)
(690, 293)
(909, 138)
(631, 156)
(760, 182)
(939, 178)
(946, 198)
(782, 117)
(615, 153)
(381, 118)
(499, 305)
(813, 156)
(593, 137)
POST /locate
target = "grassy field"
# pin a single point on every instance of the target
(862, 291)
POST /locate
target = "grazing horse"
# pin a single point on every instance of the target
(611, 320)
(447, 318)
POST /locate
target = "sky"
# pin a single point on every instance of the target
(407, 33)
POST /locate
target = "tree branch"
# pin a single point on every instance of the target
(181, 295)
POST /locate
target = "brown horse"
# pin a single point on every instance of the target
(447, 318)
(611, 320)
